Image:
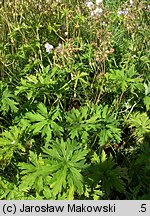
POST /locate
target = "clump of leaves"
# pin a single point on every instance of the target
(140, 122)
(45, 122)
(104, 172)
(97, 119)
(10, 142)
(58, 171)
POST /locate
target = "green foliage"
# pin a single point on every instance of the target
(74, 100)
(97, 119)
(59, 169)
(141, 123)
(10, 142)
(105, 171)
(45, 121)
(125, 79)
(34, 173)
(68, 160)
(8, 102)
(10, 191)
(146, 99)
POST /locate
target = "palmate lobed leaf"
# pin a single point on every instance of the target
(141, 122)
(34, 173)
(8, 102)
(44, 122)
(126, 79)
(71, 160)
(98, 119)
(64, 163)
(104, 170)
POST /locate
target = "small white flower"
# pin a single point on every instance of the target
(48, 47)
(13, 142)
(119, 13)
(98, 11)
(90, 5)
(99, 1)
(66, 33)
(124, 12)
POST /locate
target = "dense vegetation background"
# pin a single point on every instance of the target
(74, 99)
